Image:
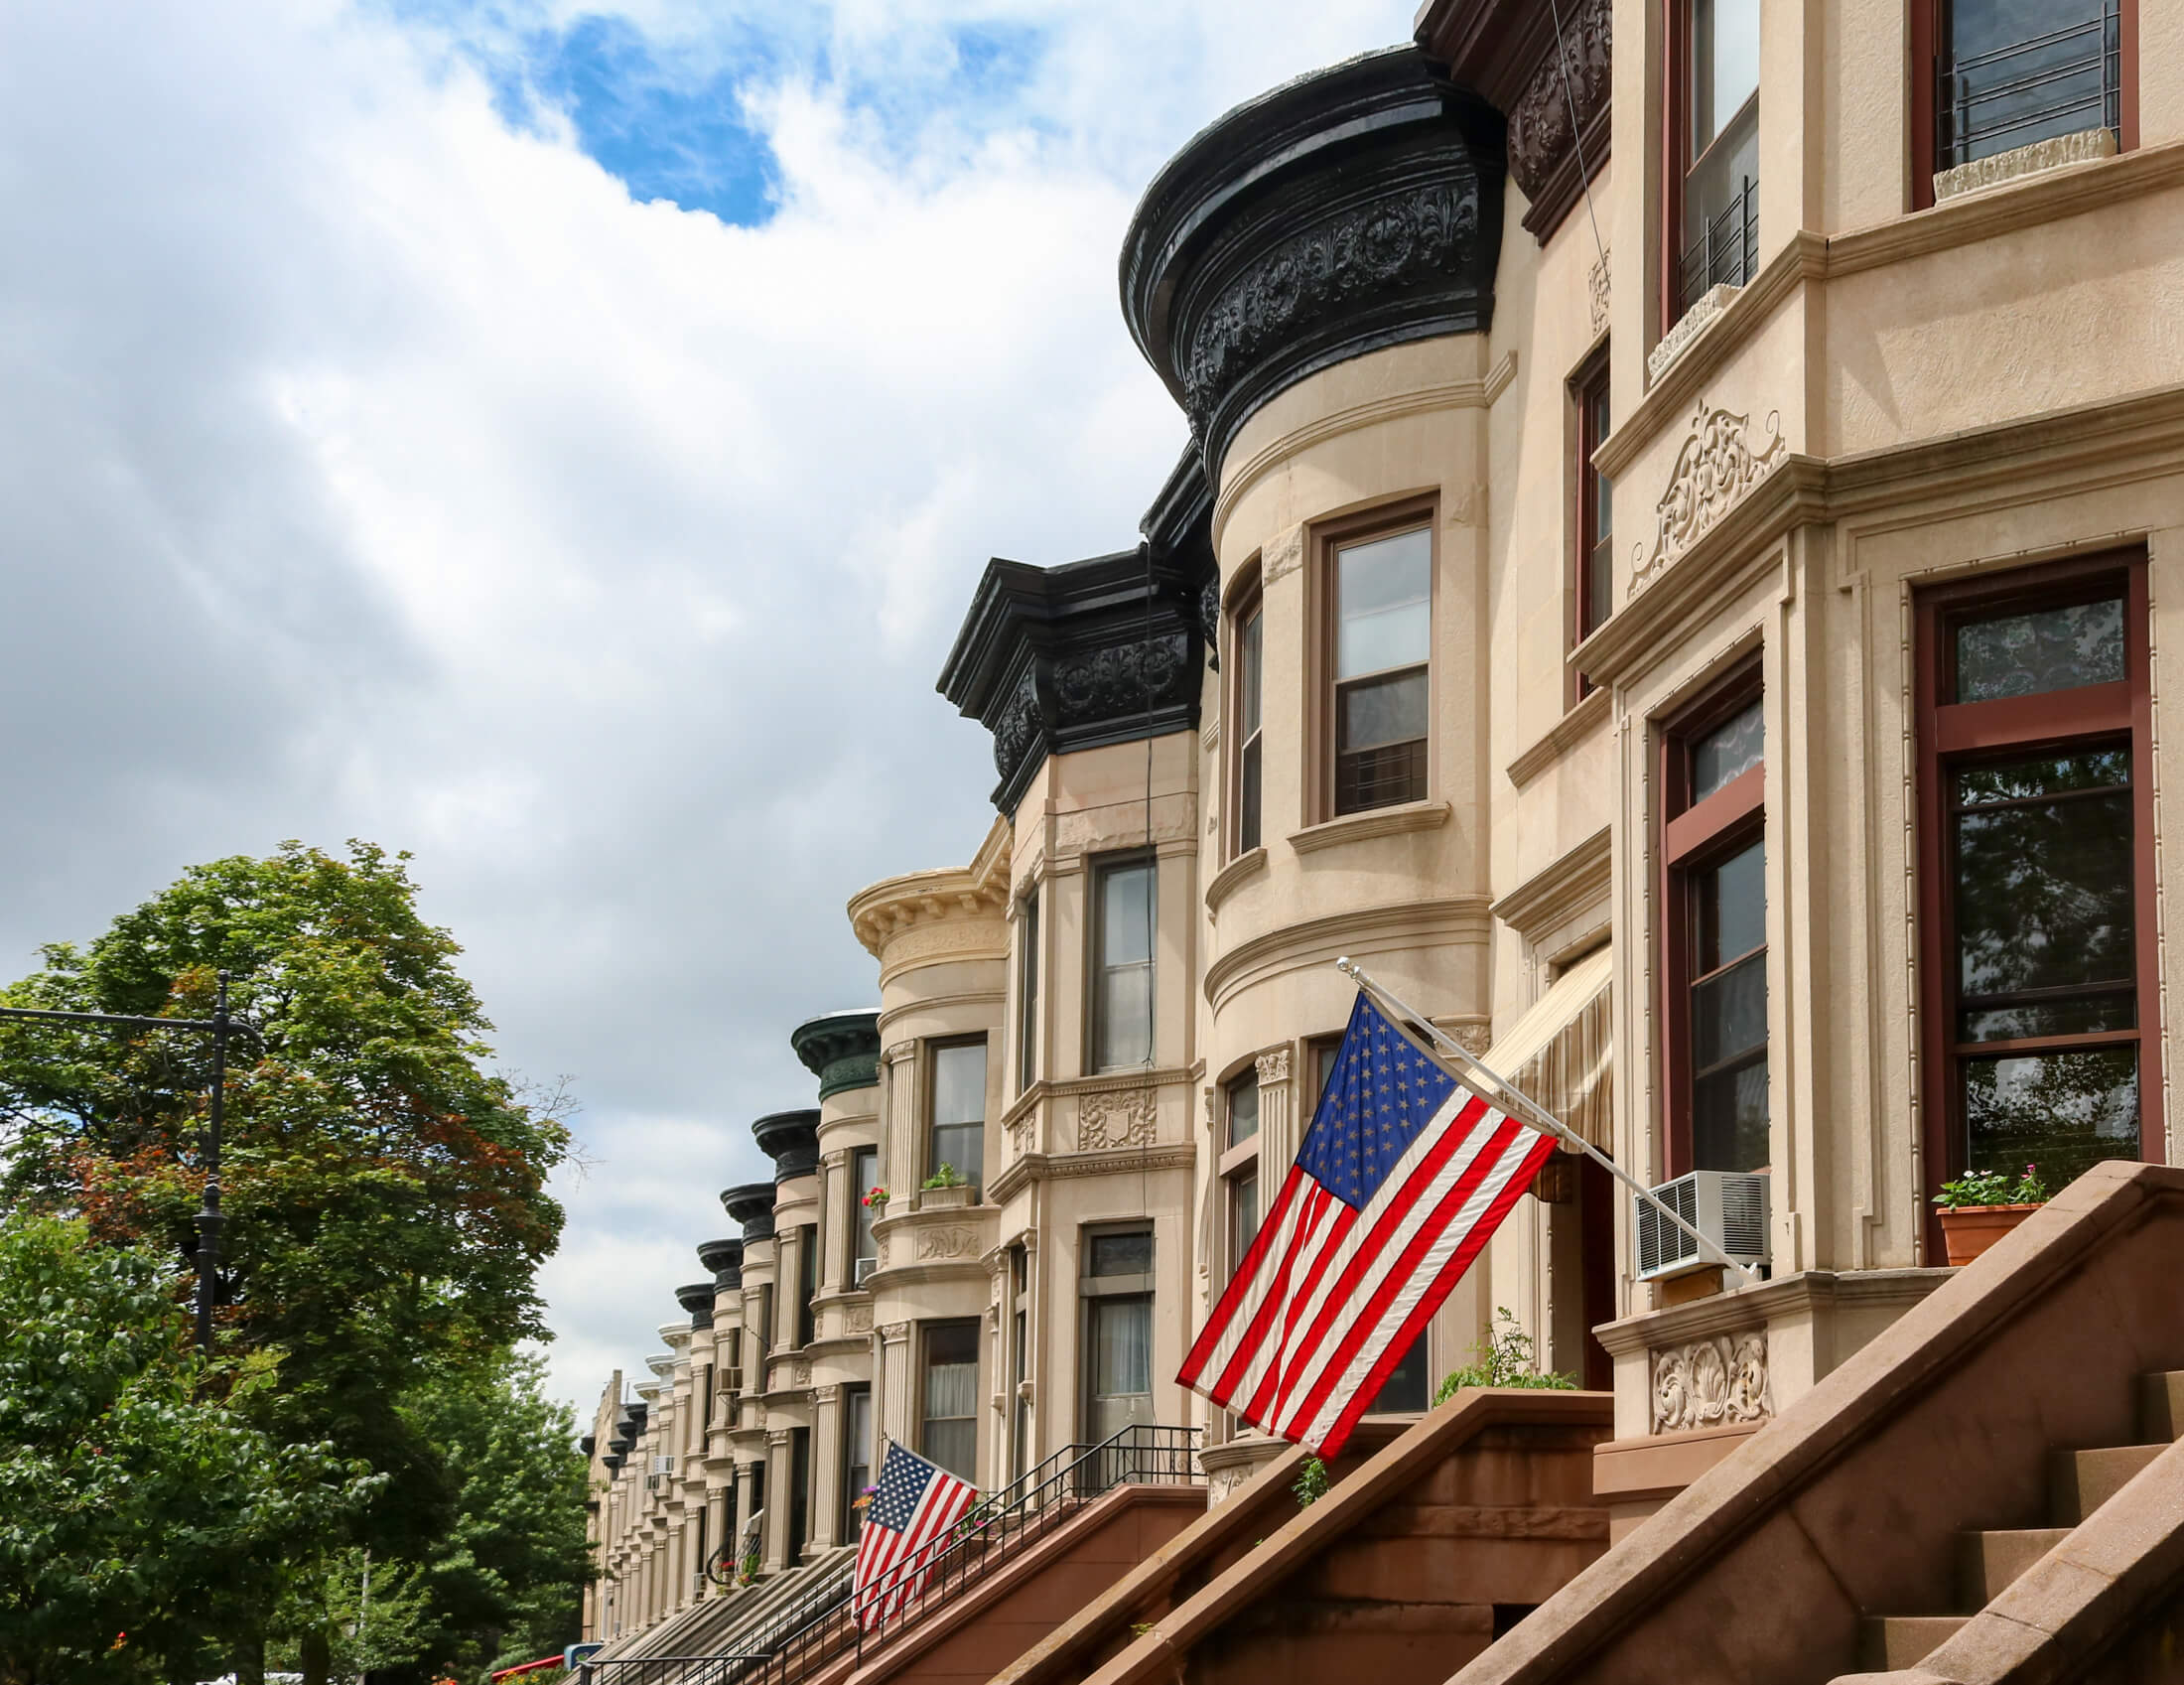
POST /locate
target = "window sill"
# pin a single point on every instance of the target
(1226, 880)
(1372, 823)
(2086, 147)
(1575, 727)
(1688, 326)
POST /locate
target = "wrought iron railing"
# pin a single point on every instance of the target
(823, 1625)
(2056, 83)
(1727, 252)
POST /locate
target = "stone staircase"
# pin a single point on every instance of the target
(2079, 1483)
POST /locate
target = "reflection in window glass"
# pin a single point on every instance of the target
(2022, 655)
(1243, 1109)
(1123, 1004)
(2017, 71)
(1733, 746)
(1724, 44)
(1728, 1014)
(1383, 636)
(959, 1110)
(1406, 1389)
(2063, 1111)
(1120, 1254)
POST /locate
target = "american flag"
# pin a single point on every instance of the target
(906, 1527)
(1404, 1176)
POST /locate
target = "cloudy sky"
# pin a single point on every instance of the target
(560, 440)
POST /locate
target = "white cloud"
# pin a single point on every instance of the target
(370, 466)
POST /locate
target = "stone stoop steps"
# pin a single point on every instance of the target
(710, 1628)
(2080, 1483)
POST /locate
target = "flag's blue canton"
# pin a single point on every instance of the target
(904, 1477)
(1380, 1095)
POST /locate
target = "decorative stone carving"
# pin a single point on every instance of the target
(1597, 281)
(1273, 1067)
(1473, 1037)
(1542, 138)
(894, 1332)
(1689, 326)
(1103, 683)
(1116, 1118)
(882, 1256)
(1714, 470)
(1018, 728)
(1383, 248)
(1210, 622)
(1720, 1382)
(858, 1318)
(1023, 1134)
(946, 1243)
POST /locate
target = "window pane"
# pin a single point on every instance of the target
(959, 1083)
(2023, 655)
(951, 1396)
(2015, 71)
(1119, 1364)
(1381, 711)
(1734, 747)
(863, 1173)
(2043, 886)
(962, 1146)
(2061, 1111)
(1728, 1118)
(1126, 915)
(1248, 658)
(1603, 489)
(1247, 799)
(1731, 908)
(1724, 45)
(1406, 1388)
(1126, 1017)
(1728, 1014)
(1243, 1109)
(1243, 1214)
(1028, 1016)
(1382, 596)
(1120, 1254)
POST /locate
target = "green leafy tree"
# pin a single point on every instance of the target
(385, 1188)
(142, 1516)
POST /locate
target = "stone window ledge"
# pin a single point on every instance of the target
(2085, 147)
(1226, 881)
(1372, 823)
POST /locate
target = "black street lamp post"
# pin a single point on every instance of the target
(220, 1027)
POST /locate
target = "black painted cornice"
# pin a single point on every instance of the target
(790, 1140)
(751, 1204)
(1350, 209)
(697, 1299)
(840, 1048)
(724, 1258)
(1104, 650)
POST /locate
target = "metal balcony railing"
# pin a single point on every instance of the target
(821, 1624)
(2056, 83)
(1727, 252)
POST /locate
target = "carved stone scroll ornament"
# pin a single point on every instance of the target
(860, 1318)
(1105, 684)
(1125, 1118)
(1714, 470)
(1023, 1134)
(946, 1243)
(1720, 1382)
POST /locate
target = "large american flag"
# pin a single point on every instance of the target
(1404, 1176)
(906, 1527)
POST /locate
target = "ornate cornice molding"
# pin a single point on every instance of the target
(1577, 724)
(751, 1204)
(791, 1140)
(1564, 888)
(840, 1048)
(1366, 932)
(1056, 1167)
(1349, 209)
(973, 898)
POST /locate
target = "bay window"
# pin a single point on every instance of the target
(1380, 594)
(1713, 187)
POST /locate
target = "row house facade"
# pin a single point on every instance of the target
(1669, 574)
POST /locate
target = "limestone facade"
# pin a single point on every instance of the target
(1925, 392)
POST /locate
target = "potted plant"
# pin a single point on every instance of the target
(876, 1201)
(943, 1190)
(1978, 1208)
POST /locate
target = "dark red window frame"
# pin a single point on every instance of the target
(1589, 396)
(1950, 732)
(1926, 38)
(1694, 836)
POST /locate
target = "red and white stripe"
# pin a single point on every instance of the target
(892, 1566)
(1328, 1299)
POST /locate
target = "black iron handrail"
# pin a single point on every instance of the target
(1964, 86)
(994, 1529)
(664, 1670)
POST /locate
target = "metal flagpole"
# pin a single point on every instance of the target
(1541, 1119)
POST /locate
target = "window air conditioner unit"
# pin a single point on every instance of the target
(731, 1380)
(1729, 1207)
(865, 1267)
(665, 1464)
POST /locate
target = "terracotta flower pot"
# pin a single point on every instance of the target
(1968, 1230)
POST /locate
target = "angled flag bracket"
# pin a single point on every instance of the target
(1533, 1115)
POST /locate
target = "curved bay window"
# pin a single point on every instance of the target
(2037, 870)
(1247, 711)
(1715, 934)
(958, 1136)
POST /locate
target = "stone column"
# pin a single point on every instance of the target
(743, 1511)
(719, 1528)
(1278, 1127)
(779, 1499)
(895, 1398)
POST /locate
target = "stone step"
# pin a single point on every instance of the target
(2081, 1482)
(2161, 1406)
(1892, 1642)
(1988, 1561)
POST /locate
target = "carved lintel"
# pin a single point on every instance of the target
(1714, 472)
(1117, 1118)
(1721, 1382)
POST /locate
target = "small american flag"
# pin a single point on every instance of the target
(906, 1527)
(1403, 1177)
